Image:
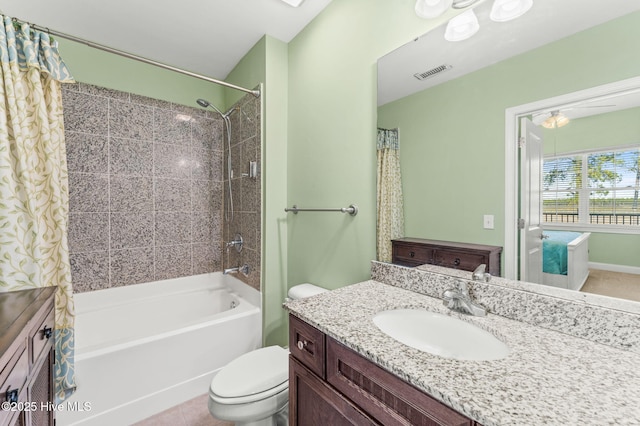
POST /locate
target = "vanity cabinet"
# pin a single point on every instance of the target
(330, 384)
(27, 356)
(465, 256)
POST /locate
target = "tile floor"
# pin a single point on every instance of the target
(192, 413)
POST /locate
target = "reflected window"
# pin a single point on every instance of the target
(594, 187)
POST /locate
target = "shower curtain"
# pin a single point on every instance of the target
(390, 206)
(34, 195)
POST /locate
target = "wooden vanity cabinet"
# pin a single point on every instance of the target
(465, 256)
(351, 390)
(27, 356)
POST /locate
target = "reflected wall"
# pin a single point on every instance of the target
(452, 135)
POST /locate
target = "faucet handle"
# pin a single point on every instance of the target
(462, 287)
(479, 274)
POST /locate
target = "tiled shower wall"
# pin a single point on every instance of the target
(145, 186)
(245, 148)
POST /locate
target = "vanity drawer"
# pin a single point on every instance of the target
(41, 336)
(459, 259)
(307, 345)
(412, 255)
(382, 395)
(449, 254)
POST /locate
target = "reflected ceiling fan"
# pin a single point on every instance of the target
(555, 118)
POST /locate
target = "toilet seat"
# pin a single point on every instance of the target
(282, 387)
(251, 377)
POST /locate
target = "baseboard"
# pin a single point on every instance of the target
(615, 268)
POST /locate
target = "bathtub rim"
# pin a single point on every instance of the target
(248, 300)
(131, 293)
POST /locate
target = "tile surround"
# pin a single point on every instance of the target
(245, 147)
(147, 189)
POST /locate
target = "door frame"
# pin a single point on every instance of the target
(512, 166)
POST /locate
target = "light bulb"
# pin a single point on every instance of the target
(462, 26)
(506, 10)
(429, 9)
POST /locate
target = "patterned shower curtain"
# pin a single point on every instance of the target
(34, 194)
(390, 223)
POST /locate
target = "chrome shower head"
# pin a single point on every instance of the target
(203, 103)
(206, 104)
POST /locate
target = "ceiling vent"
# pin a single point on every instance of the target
(432, 72)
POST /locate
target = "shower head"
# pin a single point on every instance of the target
(204, 104)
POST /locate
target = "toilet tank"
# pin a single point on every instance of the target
(302, 291)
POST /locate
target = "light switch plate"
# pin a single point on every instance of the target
(488, 221)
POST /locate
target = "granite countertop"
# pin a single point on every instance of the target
(549, 378)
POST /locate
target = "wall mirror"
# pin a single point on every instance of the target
(460, 126)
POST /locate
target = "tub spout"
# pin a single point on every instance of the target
(244, 269)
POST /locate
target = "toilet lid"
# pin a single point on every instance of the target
(254, 372)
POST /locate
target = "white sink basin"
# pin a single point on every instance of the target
(440, 335)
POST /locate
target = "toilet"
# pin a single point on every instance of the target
(253, 389)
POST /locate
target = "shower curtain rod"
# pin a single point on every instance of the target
(108, 49)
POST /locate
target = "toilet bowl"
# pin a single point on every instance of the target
(253, 389)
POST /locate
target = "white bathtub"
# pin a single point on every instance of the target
(141, 349)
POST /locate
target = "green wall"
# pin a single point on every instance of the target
(612, 129)
(452, 135)
(331, 130)
(275, 251)
(89, 65)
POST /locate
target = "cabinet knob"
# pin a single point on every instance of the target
(302, 344)
(457, 261)
(12, 396)
(47, 332)
(412, 254)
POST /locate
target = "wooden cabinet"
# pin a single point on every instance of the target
(27, 357)
(313, 402)
(465, 256)
(351, 390)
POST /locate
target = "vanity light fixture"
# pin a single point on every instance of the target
(557, 119)
(293, 3)
(466, 24)
(429, 9)
(506, 10)
(461, 4)
(462, 26)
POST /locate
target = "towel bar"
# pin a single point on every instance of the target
(352, 210)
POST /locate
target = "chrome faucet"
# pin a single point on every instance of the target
(244, 269)
(480, 275)
(460, 300)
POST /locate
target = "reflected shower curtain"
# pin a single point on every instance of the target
(34, 194)
(390, 206)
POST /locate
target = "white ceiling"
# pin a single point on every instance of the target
(547, 21)
(204, 36)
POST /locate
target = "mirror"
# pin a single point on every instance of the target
(454, 125)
